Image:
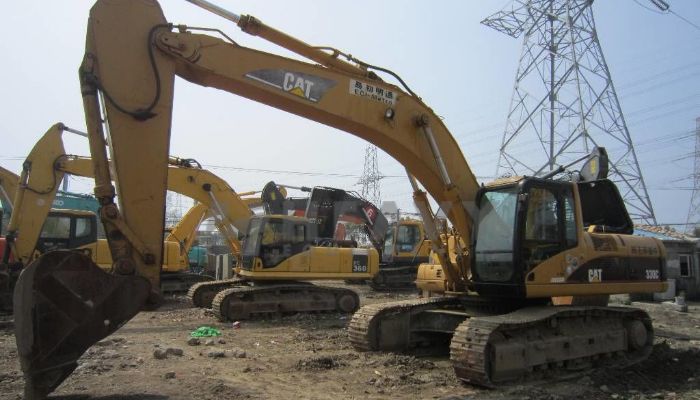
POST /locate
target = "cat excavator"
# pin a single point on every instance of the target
(528, 239)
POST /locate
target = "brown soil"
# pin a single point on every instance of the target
(309, 357)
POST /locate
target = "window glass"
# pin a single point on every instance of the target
(570, 219)
(495, 230)
(542, 218)
(82, 227)
(250, 243)
(408, 237)
(299, 236)
(685, 264)
(273, 232)
(56, 227)
(496, 221)
(389, 241)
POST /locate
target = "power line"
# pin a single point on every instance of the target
(665, 8)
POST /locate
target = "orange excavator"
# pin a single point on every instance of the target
(528, 240)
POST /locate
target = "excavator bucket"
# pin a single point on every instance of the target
(63, 303)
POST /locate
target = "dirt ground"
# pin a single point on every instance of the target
(310, 357)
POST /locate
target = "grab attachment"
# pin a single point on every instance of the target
(64, 303)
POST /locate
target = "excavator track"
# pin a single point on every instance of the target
(386, 326)
(202, 294)
(548, 341)
(245, 302)
(394, 278)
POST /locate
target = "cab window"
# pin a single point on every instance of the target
(542, 219)
(83, 227)
(407, 238)
(56, 227)
(550, 224)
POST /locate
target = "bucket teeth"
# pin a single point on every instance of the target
(63, 304)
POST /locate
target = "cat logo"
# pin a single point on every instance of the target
(306, 86)
(595, 275)
(297, 85)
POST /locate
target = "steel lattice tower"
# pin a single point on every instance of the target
(564, 102)
(693, 220)
(371, 176)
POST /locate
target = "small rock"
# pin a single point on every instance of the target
(140, 360)
(674, 359)
(615, 396)
(239, 353)
(209, 342)
(174, 351)
(247, 369)
(160, 354)
(605, 389)
(170, 375)
(657, 396)
(103, 343)
(691, 379)
(216, 354)
(222, 341)
(193, 341)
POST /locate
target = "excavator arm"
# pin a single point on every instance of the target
(9, 182)
(47, 163)
(336, 93)
(185, 231)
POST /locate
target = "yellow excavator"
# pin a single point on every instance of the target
(34, 227)
(281, 251)
(528, 239)
(405, 248)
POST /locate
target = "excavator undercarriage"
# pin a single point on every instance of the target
(494, 341)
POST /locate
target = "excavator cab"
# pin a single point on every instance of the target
(524, 222)
(403, 242)
(272, 239)
(67, 229)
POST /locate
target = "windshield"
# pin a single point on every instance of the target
(389, 242)
(407, 238)
(250, 243)
(56, 227)
(494, 238)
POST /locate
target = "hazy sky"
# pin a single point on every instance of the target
(462, 69)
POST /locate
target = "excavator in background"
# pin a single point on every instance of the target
(282, 250)
(405, 247)
(528, 239)
(35, 228)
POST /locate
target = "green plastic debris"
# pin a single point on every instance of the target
(205, 331)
